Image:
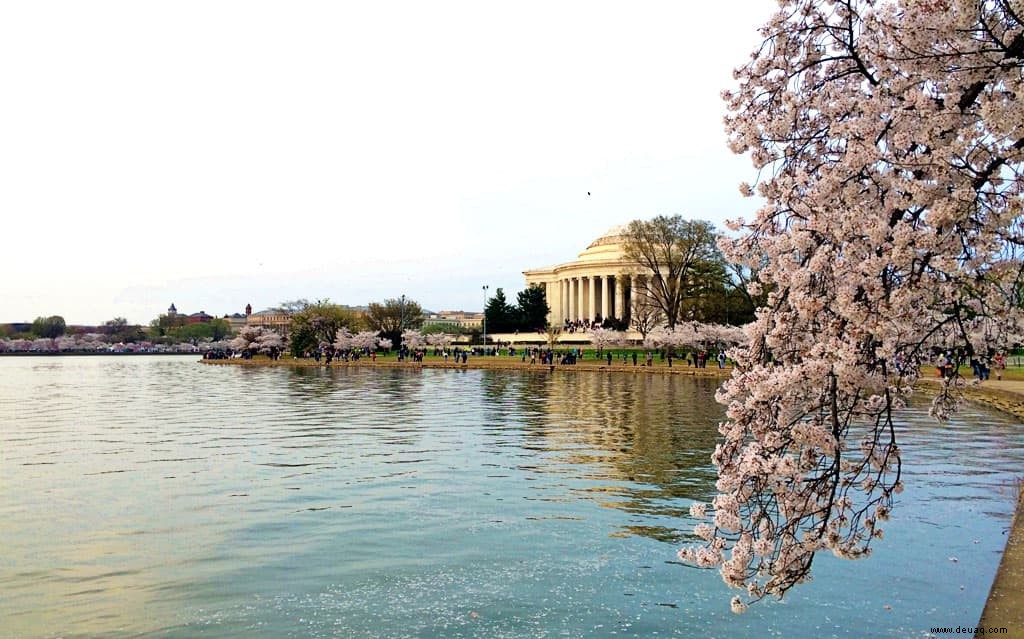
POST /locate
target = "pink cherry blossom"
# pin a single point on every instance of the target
(889, 140)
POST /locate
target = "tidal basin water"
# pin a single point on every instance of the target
(157, 497)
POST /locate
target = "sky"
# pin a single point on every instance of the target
(214, 154)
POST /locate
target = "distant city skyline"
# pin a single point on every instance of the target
(222, 154)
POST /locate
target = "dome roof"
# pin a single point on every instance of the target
(606, 247)
(611, 236)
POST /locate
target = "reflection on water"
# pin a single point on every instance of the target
(155, 496)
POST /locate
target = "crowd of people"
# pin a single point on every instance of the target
(982, 365)
(581, 325)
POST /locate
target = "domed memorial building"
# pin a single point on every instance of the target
(596, 286)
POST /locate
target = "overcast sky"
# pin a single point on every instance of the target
(214, 154)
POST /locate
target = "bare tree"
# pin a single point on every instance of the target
(645, 316)
(669, 248)
(552, 333)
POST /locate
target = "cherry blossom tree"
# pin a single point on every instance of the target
(889, 137)
(441, 340)
(343, 339)
(93, 341)
(385, 343)
(412, 339)
(270, 343)
(66, 343)
(603, 338)
(365, 340)
(218, 345)
(43, 345)
(257, 339)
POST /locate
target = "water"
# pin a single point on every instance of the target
(156, 497)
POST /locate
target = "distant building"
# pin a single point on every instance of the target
(462, 319)
(202, 317)
(596, 286)
(276, 320)
(237, 320)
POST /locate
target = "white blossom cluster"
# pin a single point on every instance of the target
(257, 339)
(889, 139)
(696, 335)
(413, 339)
(90, 343)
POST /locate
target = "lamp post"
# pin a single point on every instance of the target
(484, 322)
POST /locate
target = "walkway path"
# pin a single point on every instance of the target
(1005, 606)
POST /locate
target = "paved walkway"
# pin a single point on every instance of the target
(1005, 605)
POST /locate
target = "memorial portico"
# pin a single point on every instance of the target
(598, 285)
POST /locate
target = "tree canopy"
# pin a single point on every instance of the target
(889, 137)
(49, 327)
(214, 330)
(499, 315)
(318, 323)
(532, 308)
(119, 330)
(530, 314)
(394, 315)
(669, 249)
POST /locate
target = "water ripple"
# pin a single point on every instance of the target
(157, 497)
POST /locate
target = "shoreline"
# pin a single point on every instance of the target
(490, 363)
(1004, 396)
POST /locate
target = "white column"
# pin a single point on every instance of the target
(574, 293)
(605, 302)
(568, 298)
(579, 299)
(569, 293)
(591, 310)
(620, 297)
(561, 303)
(632, 293)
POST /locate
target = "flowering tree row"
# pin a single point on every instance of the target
(346, 340)
(257, 339)
(695, 335)
(88, 343)
(684, 335)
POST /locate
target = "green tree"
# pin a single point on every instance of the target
(392, 316)
(705, 293)
(163, 323)
(50, 327)
(214, 330)
(319, 323)
(119, 330)
(669, 249)
(533, 308)
(450, 329)
(501, 317)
